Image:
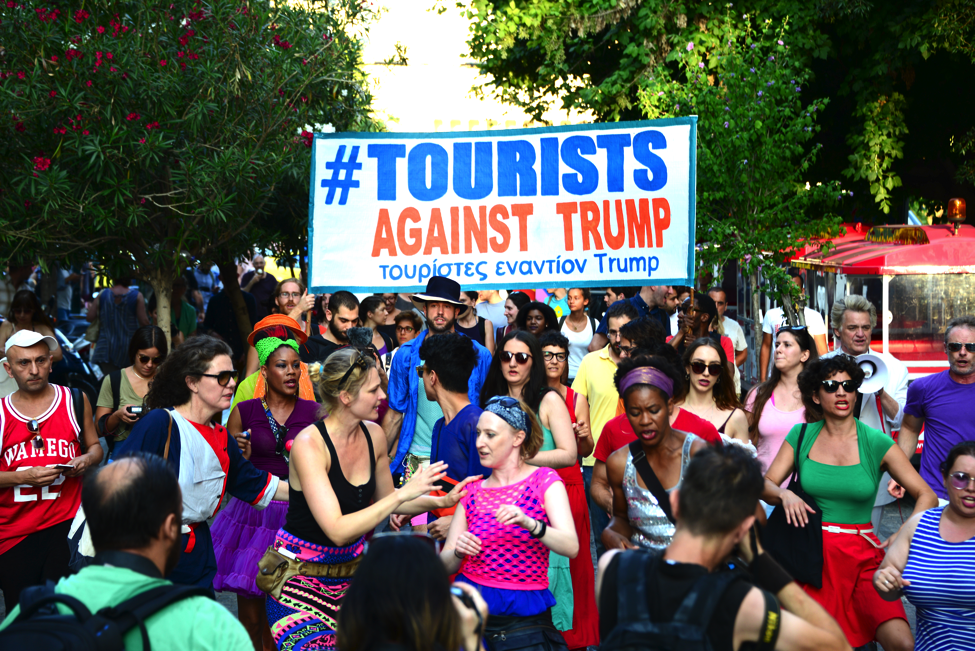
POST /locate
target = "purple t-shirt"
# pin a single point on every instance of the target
(263, 444)
(942, 403)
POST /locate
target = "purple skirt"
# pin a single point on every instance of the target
(241, 535)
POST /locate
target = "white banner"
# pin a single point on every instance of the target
(595, 205)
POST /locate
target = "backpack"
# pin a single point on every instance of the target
(686, 632)
(41, 627)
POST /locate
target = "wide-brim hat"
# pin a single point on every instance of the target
(439, 290)
(279, 320)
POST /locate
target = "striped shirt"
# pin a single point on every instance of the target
(942, 577)
(116, 325)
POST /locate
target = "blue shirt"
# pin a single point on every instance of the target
(456, 443)
(404, 387)
(645, 311)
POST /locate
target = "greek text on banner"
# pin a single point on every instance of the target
(593, 205)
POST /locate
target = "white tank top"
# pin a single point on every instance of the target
(578, 345)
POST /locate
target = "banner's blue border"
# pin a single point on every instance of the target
(690, 121)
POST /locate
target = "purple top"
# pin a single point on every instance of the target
(941, 402)
(252, 417)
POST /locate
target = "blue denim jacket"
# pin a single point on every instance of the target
(404, 385)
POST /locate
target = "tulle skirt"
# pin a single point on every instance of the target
(241, 535)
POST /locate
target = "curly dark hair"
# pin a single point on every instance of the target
(654, 361)
(811, 381)
(496, 385)
(724, 387)
(193, 358)
(551, 320)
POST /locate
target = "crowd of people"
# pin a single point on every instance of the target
(434, 471)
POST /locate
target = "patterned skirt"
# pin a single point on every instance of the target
(305, 616)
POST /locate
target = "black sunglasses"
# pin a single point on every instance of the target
(955, 347)
(420, 370)
(713, 368)
(144, 359)
(223, 377)
(831, 386)
(504, 401)
(358, 362)
(521, 358)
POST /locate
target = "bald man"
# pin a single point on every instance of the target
(133, 506)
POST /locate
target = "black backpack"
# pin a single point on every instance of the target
(687, 631)
(41, 627)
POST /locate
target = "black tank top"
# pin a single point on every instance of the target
(478, 333)
(301, 523)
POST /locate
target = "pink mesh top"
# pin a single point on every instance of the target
(509, 557)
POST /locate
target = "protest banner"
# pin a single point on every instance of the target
(591, 205)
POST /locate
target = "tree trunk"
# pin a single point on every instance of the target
(162, 286)
(228, 275)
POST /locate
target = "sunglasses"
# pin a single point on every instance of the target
(420, 370)
(713, 368)
(144, 359)
(549, 355)
(223, 377)
(521, 358)
(792, 328)
(831, 386)
(955, 347)
(358, 362)
(505, 401)
(960, 480)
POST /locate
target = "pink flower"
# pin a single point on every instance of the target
(54, 59)
(152, 125)
(53, 93)
(85, 132)
(133, 116)
(88, 83)
(108, 56)
(142, 141)
(79, 16)
(41, 164)
(100, 29)
(21, 75)
(162, 62)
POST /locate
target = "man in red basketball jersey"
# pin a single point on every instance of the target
(42, 459)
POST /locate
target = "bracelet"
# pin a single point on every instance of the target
(531, 532)
(541, 533)
(768, 574)
(460, 556)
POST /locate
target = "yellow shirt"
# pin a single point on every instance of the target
(594, 379)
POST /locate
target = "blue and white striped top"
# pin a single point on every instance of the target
(942, 576)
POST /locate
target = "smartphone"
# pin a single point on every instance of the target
(63, 466)
(134, 410)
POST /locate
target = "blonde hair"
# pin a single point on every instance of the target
(852, 303)
(335, 368)
(535, 439)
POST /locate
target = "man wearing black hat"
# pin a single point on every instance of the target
(409, 422)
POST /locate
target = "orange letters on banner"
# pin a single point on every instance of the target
(567, 210)
(384, 235)
(639, 224)
(475, 229)
(616, 241)
(590, 224)
(436, 237)
(660, 222)
(522, 211)
(499, 244)
(411, 247)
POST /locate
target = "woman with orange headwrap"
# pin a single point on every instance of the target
(255, 385)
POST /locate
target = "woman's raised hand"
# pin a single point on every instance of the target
(457, 493)
(424, 481)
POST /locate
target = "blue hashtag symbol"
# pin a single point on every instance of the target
(338, 166)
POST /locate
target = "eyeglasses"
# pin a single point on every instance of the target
(358, 362)
(223, 377)
(960, 480)
(144, 359)
(425, 537)
(830, 386)
(955, 347)
(627, 350)
(289, 295)
(521, 358)
(713, 368)
(549, 355)
(421, 369)
(405, 330)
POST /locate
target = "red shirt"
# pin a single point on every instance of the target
(617, 433)
(25, 509)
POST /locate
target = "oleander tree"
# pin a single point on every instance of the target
(140, 134)
(756, 140)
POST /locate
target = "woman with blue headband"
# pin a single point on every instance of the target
(263, 428)
(500, 540)
(643, 474)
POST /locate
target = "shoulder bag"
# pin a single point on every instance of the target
(799, 550)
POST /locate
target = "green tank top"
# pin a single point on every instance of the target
(548, 441)
(845, 494)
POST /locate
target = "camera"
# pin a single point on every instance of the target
(135, 411)
(465, 598)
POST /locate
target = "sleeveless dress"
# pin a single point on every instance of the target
(942, 576)
(241, 533)
(478, 333)
(651, 528)
(305, 615)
